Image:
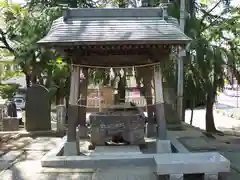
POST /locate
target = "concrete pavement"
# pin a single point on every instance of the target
(231, 101)
(222, 123)
(25, 164)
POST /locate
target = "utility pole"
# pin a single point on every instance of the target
(180, 65)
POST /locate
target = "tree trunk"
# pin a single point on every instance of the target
(191, 118)
(210, 125)
(33, 78)
(67, 94)
(66, 105)
(28, 80)
(192, 109)
(58, 96)
(40, 80)
(48, 81)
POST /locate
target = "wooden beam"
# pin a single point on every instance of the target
(112, 59)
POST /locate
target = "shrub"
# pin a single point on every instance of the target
(7, 91)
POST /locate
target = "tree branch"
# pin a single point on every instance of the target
(208, 12)
(3, 39)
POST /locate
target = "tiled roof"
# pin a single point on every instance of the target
(114, 26)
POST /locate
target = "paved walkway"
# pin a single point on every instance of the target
(24, 163)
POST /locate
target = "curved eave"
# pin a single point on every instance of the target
(119, 30)
(133, 42)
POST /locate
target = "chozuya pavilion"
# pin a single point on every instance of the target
(114, 38)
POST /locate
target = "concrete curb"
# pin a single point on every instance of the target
(226, 132)
(189, 149)
(178, 145)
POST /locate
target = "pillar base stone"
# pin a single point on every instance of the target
(171, 177)
(82, 132)
(208, 176)
(71, 149)
(150, 130)
(163, 146)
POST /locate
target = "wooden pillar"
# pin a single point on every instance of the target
(72, 145)
(82, 96)
(160, 115)
(147, 82)
(162, 144)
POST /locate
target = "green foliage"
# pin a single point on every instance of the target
(215, 45)
(10, 73)
(8, 91)
(210, 50)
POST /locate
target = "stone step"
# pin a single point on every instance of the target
(176, 165)
(126, 173)
(116, 150)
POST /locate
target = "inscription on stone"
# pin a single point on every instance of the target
(128, 124)
(111, 126)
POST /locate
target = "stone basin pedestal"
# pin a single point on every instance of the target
(120, 121)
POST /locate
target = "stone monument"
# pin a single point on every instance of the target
(38, 109)
(10, 121)
(11, 109)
